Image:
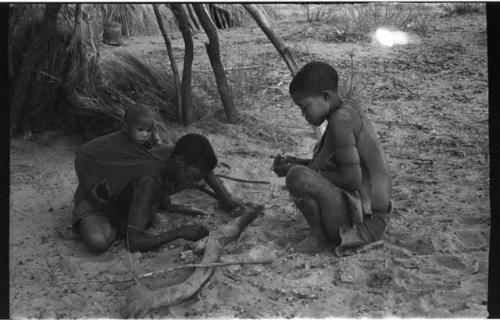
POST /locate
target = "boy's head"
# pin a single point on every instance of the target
(139, 122)
(315, 90)
(193, 159)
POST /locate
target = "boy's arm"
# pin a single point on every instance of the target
(143, 203)
(347, 174)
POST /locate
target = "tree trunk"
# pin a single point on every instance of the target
(214, 56)
(180, 13)
(24, 79)
(172, 62)
(278, 43)
(192, 16)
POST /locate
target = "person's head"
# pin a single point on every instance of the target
(193, 158)
(139, 122)
(315, 90)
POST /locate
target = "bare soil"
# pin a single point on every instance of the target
(427, 101)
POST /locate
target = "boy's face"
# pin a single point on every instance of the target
(314, 109)
(140, 130)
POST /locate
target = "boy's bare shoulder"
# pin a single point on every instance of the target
(343, 115)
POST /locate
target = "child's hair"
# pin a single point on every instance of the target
(135, 111)
(196, 151)
(314, 78)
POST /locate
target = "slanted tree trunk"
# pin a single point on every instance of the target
(278, 43)
(192, 16)
(181, 15)
(178, 92)
(31, 60)
(214, 56)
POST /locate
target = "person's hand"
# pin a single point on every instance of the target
(192, 232)
(281, 165)
(242, 208)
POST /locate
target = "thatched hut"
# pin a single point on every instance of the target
(55, 75)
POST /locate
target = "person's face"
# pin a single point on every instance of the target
(141, 129)
(314, 109)
(186, 176)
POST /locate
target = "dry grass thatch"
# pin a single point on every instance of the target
(127, 79)
(240, 16)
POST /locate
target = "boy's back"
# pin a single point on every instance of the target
(376, 179)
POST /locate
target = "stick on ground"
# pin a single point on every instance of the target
(142, 299)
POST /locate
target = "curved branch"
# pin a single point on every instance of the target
(142, 299)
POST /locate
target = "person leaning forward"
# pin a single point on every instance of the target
(122, 184)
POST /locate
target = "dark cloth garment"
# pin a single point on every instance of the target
(371, 230)
(105, 166)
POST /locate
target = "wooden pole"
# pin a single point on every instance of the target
(214, 56)
(193, 16)
(172, 62)
(278, 43)
(180, 13)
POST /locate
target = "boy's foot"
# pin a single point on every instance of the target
(312, 244)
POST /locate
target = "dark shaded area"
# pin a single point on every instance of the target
(492, 13)
(4, 167)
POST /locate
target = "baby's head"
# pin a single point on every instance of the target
(139, 122)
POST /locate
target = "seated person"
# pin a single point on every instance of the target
(344, 191)
(121, 186)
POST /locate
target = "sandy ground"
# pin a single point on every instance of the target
(428, 103)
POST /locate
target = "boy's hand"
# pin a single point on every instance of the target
(281, 165)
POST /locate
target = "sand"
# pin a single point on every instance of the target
(427, 101)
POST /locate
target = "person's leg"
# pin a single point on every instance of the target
(97, 232)
(322, 205)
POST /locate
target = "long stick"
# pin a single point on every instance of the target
(235, 68)
(172, 61)
(243, 180)
(155, 273)
(141, 299)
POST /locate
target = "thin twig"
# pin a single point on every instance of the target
(243, 180)
(230, 69)
(154, 273)
(51, 272)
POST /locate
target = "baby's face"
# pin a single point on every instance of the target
(141, 130)
(314, 109)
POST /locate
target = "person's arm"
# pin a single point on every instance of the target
(227, 201)
(282, 165)
(143, 203)
(347, 173)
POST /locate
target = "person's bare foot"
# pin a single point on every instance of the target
(312, 244)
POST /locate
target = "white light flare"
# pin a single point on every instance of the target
(390, 38)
